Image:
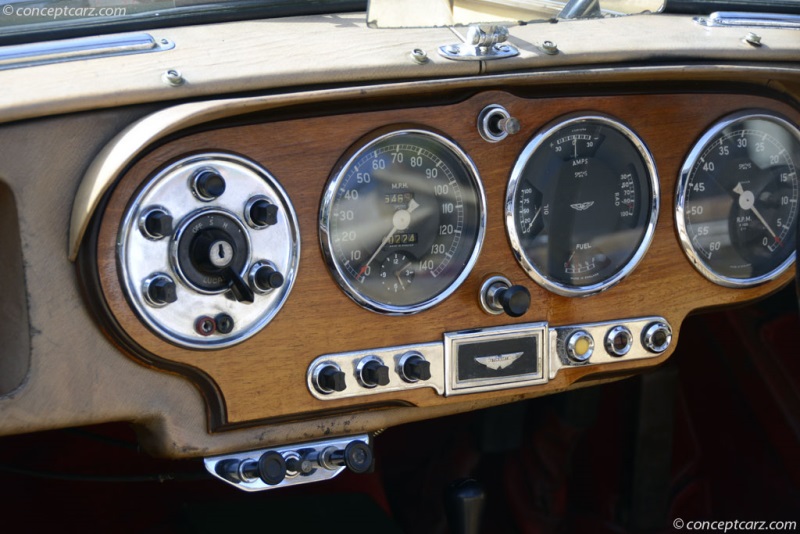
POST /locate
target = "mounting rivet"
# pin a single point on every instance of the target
(549, 47)
(173, 77)
(752, 39)
(419, 56)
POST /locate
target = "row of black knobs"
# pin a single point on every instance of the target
(374, 373)
(272, 467)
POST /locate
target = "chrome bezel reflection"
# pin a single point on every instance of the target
(680, 201)
(539, 275)
(326, 241)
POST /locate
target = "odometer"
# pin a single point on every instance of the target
(402, 221)
(582, 204)
(737, 199)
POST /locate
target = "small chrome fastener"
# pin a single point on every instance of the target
(419, 56)
(173, 77)
(752, 39)
(550, 48)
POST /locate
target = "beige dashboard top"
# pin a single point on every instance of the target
(336, 49)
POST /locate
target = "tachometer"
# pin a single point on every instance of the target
(402, 221)
(737, 197)
(582, 204)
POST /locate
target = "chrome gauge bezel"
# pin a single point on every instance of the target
(516, 175)
(680, 201)
(326, 242)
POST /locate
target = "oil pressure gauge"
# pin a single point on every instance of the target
(582, 204)
(736, 205)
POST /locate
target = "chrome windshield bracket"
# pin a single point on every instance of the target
(484, 42)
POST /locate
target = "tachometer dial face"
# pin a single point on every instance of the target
(582, 204)
(402, 222)
(736, 205)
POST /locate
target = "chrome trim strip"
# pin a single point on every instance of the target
(680, 201)
(124, 148)
(26, 55)
(538, 140)
(750, 20)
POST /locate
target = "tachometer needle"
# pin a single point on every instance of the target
(400, 221)
(747, 201)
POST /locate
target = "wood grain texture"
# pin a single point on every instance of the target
(264, 377)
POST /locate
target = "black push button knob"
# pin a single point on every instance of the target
(515, 300)
(271, 468)
(330, 378)
(416, 368)
(374, 373)
(263, 213)
(267, 278)
(157, 224)
(161, 290)
(357, 457)
(209, 184)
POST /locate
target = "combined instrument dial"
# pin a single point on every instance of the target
(402, 221)
(736, 206)
(582, 204)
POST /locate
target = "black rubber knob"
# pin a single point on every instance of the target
(374, 373)
(417, 368)
(209, 184)
(515, 300)
(158, 224)
(263, 213)
(271, 468)
(358, 457)
(267, 278)
(162, 290)
(464, 501)
(331, 379)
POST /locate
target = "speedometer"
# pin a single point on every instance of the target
(582, 204)
(736, 205)
(402, 221)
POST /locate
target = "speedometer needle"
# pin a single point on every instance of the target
(400, 221)
(747, 201)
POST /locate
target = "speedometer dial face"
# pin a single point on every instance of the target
(582, 204)
(736, 206)
(402, 222)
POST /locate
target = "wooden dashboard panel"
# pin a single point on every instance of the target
(264, 378)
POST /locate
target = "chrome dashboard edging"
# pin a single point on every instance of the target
(125, 147)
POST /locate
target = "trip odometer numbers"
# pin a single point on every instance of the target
(737, 199)
(402, 221)
(581, 204)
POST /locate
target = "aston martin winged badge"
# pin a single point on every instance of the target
(499, 361)
(582, 206)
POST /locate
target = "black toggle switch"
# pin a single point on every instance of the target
(515, 300)
(239, 288)
(157, 224)
(209, 184)
(330, 378)
(267, 278)
(374, 373)
(263, 213)
(415, 368)
(271, 468)
(161, 290)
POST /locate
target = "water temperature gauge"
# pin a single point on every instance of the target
(582, 204)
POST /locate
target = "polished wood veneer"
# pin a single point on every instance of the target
(264, 378)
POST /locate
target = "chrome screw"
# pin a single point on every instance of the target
(550, 48)
(752, 39)
(419, 56)
(173, 77)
